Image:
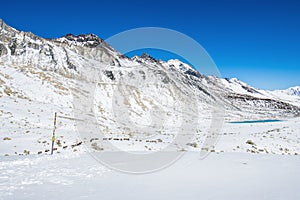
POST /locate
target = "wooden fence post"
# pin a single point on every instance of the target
(53, 134)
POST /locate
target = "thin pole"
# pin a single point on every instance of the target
(53, 134)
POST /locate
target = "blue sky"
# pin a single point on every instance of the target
(256, 41)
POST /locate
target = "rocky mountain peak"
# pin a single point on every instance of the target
(88, 40)
(4, 26)
(145, 57)
(83, 38)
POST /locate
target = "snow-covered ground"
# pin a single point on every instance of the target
(282, 137)
(265, 168)
(220, 176)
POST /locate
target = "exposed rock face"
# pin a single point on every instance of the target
(3, 50)
(90, 46)
(88, 40)
(59, 55)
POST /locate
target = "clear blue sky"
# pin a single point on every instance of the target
(256, 41)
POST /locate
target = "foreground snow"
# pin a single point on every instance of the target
(219, 176)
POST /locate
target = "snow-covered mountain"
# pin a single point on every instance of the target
(293, 91)
(86, 81)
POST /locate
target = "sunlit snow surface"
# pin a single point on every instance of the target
(219, 176)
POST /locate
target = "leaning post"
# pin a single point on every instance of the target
(53, 134)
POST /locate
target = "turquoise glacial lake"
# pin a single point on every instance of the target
(256, 121)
